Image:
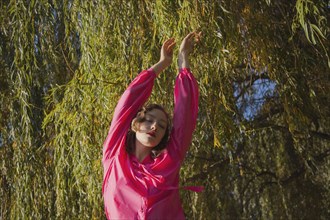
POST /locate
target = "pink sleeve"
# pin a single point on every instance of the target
(130, 102)
(185, 112)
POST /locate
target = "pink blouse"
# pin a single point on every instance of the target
(150, 189)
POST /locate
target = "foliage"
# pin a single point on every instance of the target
(261, 146)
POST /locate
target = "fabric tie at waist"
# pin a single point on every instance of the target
(191, 188)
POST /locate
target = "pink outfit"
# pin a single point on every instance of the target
(150, 189)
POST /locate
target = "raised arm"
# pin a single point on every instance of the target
(131, 101)
(185, 99)
(166, 56)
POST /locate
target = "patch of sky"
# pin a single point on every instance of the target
(251, 95)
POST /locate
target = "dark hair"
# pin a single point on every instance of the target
(140, 117)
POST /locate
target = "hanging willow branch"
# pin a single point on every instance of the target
(64, 65)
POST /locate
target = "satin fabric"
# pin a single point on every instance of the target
(150, 189)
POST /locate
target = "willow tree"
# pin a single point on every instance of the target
(261, 147)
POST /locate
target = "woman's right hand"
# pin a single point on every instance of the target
(166, 56)
(166, 53)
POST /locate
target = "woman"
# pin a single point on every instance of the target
(141, 163)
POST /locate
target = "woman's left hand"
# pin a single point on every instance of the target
(189, 42)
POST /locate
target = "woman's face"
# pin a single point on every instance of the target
(151, 131)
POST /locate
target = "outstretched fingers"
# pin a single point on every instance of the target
(189, 42)
(169, 44)
(190, 35)
(198, 36)
(195, 36)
